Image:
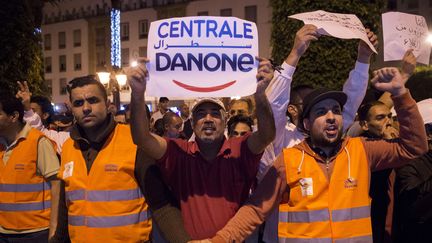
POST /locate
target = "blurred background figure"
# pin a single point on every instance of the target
(413, 191)
(239, 125)
(162, 109)
(187, 125)
(242, 106)
(42, 106)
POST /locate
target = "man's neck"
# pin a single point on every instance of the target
(12, 133)
(209, 151)
(93, 133)
(328, 151)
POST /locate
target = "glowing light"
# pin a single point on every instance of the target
(121, 79)
(115, 38)
(104, 77)
(429, 39)
(134, 63)
(235, 97)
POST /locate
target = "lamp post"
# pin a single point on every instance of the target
(115, 79)
(114, 82)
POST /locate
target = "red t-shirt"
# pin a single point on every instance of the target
(210, 193)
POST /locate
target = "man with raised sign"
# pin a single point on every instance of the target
(211, 176)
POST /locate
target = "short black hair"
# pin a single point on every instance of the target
(297, 95)
(83, 81)
(163, 99)
(233, 121)
(45, 105)
(10, 104)
(363, 111)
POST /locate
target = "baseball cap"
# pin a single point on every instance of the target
(318, 95)
(200, 101)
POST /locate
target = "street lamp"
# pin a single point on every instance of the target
(104, 77)
(114, 82)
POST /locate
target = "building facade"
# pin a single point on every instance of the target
(76, 33)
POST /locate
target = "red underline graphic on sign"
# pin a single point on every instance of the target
(204, 89)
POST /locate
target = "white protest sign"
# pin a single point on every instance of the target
(202, 57)
(403, 31)
(344, 26)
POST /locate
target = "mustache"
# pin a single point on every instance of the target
(208, 125)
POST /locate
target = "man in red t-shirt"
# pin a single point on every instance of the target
(211, 176)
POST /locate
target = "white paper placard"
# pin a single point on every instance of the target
(403, 31)
(343, 26)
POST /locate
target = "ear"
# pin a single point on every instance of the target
(292, 109)
(364, 125)
(15, 116)
(45, 115)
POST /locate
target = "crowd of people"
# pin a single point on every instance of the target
(287, 164)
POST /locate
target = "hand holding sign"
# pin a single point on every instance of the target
(137, 77)
(409, 63)
(344, 26)
(264, 75)
(364, 51)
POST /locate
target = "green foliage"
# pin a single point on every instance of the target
(328, 61)
(21, 52)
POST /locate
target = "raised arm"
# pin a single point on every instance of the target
(412, 141)
(356, 85)
(153, 145)
(408, 66)
(278, 91)
(265, 134)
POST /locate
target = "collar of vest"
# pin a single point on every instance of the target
(304, 146)
(77, 133)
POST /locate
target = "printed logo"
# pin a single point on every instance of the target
(350, 183)
(19, 166)
(111, 168)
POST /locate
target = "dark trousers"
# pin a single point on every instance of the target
(36, 237)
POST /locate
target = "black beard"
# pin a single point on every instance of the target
(322, 142)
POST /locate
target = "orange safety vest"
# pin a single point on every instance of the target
(320, 211)
(25, 198)
(106, 204)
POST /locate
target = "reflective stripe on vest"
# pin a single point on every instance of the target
(304, 216)
(339, 215)
(25, 206)
(356, 239)
(104, 195)
(305, 240)
(24, 187)
(107, 221)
